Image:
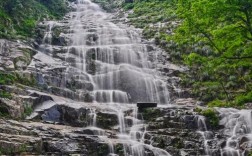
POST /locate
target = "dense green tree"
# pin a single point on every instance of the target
(225, 27)
(213, 39)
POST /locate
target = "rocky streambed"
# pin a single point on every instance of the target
(74, 89)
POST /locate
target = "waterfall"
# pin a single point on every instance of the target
(111, 58)
(106, 64)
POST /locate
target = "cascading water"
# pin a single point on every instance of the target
(238, 129)
(109, 62)
(206, 135)
(111, 58)
(46, 45)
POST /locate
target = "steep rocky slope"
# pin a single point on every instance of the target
(74, 91)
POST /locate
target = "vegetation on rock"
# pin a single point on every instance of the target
(210, 114)
(150, 114)
(12, 79)
(18, 18)
(108, 5)
(213, 38)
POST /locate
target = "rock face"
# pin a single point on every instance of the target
(175, 129)
(89, 71)
(15, 55)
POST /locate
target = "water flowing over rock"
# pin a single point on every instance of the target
(88, 58)
(91, 71)
(102, 62)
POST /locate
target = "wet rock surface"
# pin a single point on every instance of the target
(87, 73)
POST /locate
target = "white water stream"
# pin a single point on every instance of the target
(112, 58)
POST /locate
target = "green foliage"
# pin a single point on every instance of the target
(197, 109)
(217, 103)
(150, 12)
(214, 39)
(13, 78)
(25, 81)
(221, 64)
(18, 18)
(4, 94)
(56, 8)
(128, 6)
(244, 98)
(108, 5)
(150, 114)
(27, 110)
(6, 79)
(250, 153)
(212, 116)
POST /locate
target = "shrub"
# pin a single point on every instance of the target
(212, 116)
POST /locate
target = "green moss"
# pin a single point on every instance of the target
(12, 151)
(178, 143)
(160, 140)
(99, 150)
(150, 114)
(119, 149)
(106, 121)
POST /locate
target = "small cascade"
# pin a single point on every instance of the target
(206, 135)
(46, 45)
(133, 136)
(93, 116)
(238, 129)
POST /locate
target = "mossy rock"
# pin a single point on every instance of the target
(212, 116)
(119, 149)
(106, 120)
(150, 114)
(4, 112)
